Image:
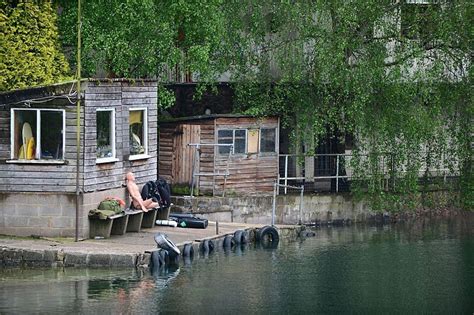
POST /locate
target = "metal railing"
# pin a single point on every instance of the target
(333, 172)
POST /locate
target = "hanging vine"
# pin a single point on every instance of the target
(395, 75)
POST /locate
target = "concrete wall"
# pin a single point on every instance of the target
(45, 214)
(315, 208)
(49, 214)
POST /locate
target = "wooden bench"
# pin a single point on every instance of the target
(127, 221)
(163, 213)
(117, 224)
(135, 218)
(113, 225)
(149, 218)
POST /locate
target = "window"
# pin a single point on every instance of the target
(249, 141)
(138, 132)
(236, 137)
(267, 140)
(105, 135)
(37, 134)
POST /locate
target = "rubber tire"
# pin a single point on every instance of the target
(173, 259)
(306, 233)
(228, 242)
(164, 256)
(206, 246)
(163, 242)
(268, 232)
(188, 250)
(211, 246)
(156, 259)
(240, 237)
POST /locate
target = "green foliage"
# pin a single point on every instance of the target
(401, 85)
(397, 76)
(144, 38)
(29, 45)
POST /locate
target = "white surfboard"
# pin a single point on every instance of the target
(26, 135)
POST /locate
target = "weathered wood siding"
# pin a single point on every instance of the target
(29, 177)
(249, 173)
(165, 151)
(120, 95)
(175, 156)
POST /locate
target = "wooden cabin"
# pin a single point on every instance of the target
(219, 154)
(38, 152)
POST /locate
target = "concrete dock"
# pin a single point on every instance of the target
(128, 250)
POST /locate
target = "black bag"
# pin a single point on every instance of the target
(188, 220)
(164, 191)
(150, 191)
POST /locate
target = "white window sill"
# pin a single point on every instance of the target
(139, 157)
(106, 160)
(59, 162)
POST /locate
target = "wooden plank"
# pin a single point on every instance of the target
(103, 103)
(139, 101)
(103, 89)
(137, 89)
(101, 97)
(136, 94)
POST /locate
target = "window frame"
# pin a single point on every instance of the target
(113, 158)
(275, 148)
(233, 141)
(144, 155)
(38, 136)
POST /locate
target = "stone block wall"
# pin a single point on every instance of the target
(258, 209)
(45, 214)
(49, 214)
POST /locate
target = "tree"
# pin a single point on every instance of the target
(144, 38)
(29, 45)
(395, 75)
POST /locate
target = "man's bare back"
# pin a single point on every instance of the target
(136, 198)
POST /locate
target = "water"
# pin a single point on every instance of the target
(411, 268)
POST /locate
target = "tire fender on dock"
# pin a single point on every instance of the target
(241, 237)
(268, 234)
(164, 242)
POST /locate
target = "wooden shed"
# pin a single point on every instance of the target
(219, 154)
(38, 152)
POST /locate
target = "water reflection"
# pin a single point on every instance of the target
(425, 266)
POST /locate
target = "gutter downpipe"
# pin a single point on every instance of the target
(78, 115)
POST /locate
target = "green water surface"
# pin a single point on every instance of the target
(423, 267)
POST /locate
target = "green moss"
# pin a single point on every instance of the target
(177, 189)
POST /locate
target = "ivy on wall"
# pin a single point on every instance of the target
(29, 47)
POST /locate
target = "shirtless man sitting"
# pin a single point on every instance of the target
(136, 199)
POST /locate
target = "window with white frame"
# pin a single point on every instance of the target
(138, 132)
(105, 134)
(236, 137)
(37, 134)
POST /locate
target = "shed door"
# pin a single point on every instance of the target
(184, 154)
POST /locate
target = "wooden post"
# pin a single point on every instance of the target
(78, 115)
